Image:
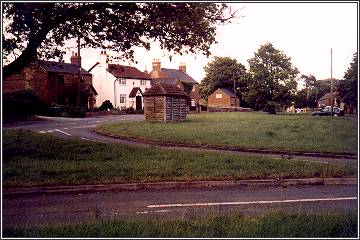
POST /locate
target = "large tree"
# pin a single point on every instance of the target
(272, 79)
(347, 87)
(33, 30)
(223, 72)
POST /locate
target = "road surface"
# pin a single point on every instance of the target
(175, 204)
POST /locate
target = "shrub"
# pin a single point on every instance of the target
(106, 105)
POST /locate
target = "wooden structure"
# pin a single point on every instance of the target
(165, 102)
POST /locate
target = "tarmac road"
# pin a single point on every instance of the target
(56, 209)
(82, 128)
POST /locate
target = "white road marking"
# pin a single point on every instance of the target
(50, 131)
(90, 126)
(162, 211)
(142, 212)
(42, 132)
(62, 132)
(65, 128)
(251, 202)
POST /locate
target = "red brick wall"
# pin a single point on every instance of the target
(219, 102)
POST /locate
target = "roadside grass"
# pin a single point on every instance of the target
(33, 159)
(273, 225)
(294, 132)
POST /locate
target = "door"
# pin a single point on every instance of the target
(138, 103)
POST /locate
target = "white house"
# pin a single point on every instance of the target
(122, 85)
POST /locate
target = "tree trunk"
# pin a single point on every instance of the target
(27, 55)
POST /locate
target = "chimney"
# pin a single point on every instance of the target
(182, 67)
(75, 59)
(156, 65)
(104, 58)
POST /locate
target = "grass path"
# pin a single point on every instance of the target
(32, 159)
(250, 130)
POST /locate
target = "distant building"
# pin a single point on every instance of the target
(223, 98)
(52, 81)
(325, 100)
(121, 85)
(180, 78)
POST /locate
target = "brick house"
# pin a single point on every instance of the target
(121, 85)
(223, 98)
(180, 78)
(52, 81)
(325, 100)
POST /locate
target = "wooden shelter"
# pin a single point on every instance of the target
(165, 102)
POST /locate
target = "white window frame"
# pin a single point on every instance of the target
(122, 81)
(218, 95)
(122, 96)
(193, 103)
(142, 82)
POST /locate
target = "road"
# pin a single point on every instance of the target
(183, 204)
(81, 128)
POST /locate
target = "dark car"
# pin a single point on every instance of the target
(326, 111)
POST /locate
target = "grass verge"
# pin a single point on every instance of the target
(33, 159)
(250, 130)
(272, 225)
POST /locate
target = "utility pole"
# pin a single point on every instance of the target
(79, 74)
(331, 84)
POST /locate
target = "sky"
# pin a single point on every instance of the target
(305, 32)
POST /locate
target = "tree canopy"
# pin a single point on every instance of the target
(35, 30)
(347, 87)
(222, 72)
(272, 78)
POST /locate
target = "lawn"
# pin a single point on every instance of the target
(275, 225)
(31, 159)
(293, 132)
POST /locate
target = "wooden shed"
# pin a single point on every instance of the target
(165, 102)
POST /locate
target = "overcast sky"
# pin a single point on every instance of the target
(303, 31)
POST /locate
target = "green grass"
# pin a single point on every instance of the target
(272, 225)
(301, 132)
(31, 159)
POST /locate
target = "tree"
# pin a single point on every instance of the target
(310, 85)
(272, 79)
(223, 72)
(347, 87)
(35, 30)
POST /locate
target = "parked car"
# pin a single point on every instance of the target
(326, 111)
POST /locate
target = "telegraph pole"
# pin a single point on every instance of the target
(79, 74)
(331, 84)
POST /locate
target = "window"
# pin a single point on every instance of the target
(193, 88)
(218, 96)
(143, 82)
(122, 98)
(122, 81)
(193, 103)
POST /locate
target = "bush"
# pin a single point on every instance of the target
(23, 103)
(106, 105)
(131, 110)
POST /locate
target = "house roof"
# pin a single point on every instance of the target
(134, 92)
(60, 67)
(163, 89)
(227, 92)
(164, 80)
(122, 71)
(328, 95)
(178, 74)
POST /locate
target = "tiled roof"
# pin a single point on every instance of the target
(328, 95)
(134, 92)
(163, 89)
(178, 74)
(164, 80)
(229, 93)
(60, 67)
(122, 71)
